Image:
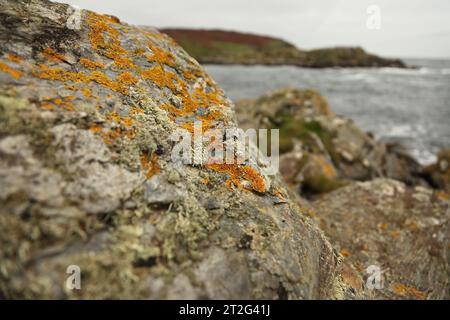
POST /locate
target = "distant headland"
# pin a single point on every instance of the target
(230, 47)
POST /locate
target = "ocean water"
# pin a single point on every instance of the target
(409, 106)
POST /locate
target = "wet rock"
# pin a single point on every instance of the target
(87, 116)
(401, 231)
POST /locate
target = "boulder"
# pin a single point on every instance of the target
(398, 236)
(88, 105)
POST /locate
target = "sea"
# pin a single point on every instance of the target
(407, 106)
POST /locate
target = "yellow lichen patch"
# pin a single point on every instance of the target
(59, 74)
(111, 47)
(345, 253)
(237, 172)
(150, 164)
(65, 103)
(52, 55)
(95, 128)
(327, 169)
(404, 290)
(123, 121)
(136, 111)
(441, 195)
(13, 58)
(160, 77)
(111, 135)
(91, 64)
(47, 73)
(250, 174)
(86, 92)
(383, 226)
(11, 71)
(394, 233)
(160, 56)
(126, 78)
(189, 126)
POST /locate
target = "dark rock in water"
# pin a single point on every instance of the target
(403, 232)
(439, 173)
(320, 150)
(87, 178)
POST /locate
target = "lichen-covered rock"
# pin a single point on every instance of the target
(403, 231)
(87, 177)
(312, 136)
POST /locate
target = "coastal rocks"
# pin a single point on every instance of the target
(439, 173)
(397, 233)
(89, 183)
(335, 149)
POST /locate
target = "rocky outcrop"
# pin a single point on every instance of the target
(438, 174)
(392, 232)
(87, 107)
(230, 47)
(321, 151)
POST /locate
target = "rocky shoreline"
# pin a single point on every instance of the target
(87, 180)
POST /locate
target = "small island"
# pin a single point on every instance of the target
(230, 47)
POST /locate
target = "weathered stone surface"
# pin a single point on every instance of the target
(320, 150)
(87, 177)
(402, 230)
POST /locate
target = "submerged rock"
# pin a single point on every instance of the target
(399, 231)
(320, 150)
(87, 109)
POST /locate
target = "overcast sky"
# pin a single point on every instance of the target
(409, 28)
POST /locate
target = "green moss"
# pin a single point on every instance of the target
(291, 129)
(316, 184)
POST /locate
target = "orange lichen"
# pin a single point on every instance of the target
(160, 77)
(49, 103)
(250, 174)
(150, 164)
(345, 253)
(441, 195)
(383, 226)
(111, 135)
(91, 64)
(11, 71)
(95, 128)
(403, 290)
(237, 172)
(110, 48)
(126, 78)
(47, 73)
(52, 55)
(160, 56)
(394, 233)
(136, 111)
(13, 58)
(86, 92)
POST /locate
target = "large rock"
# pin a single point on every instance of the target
(320, 150)
(399, 231)
(87, 177)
